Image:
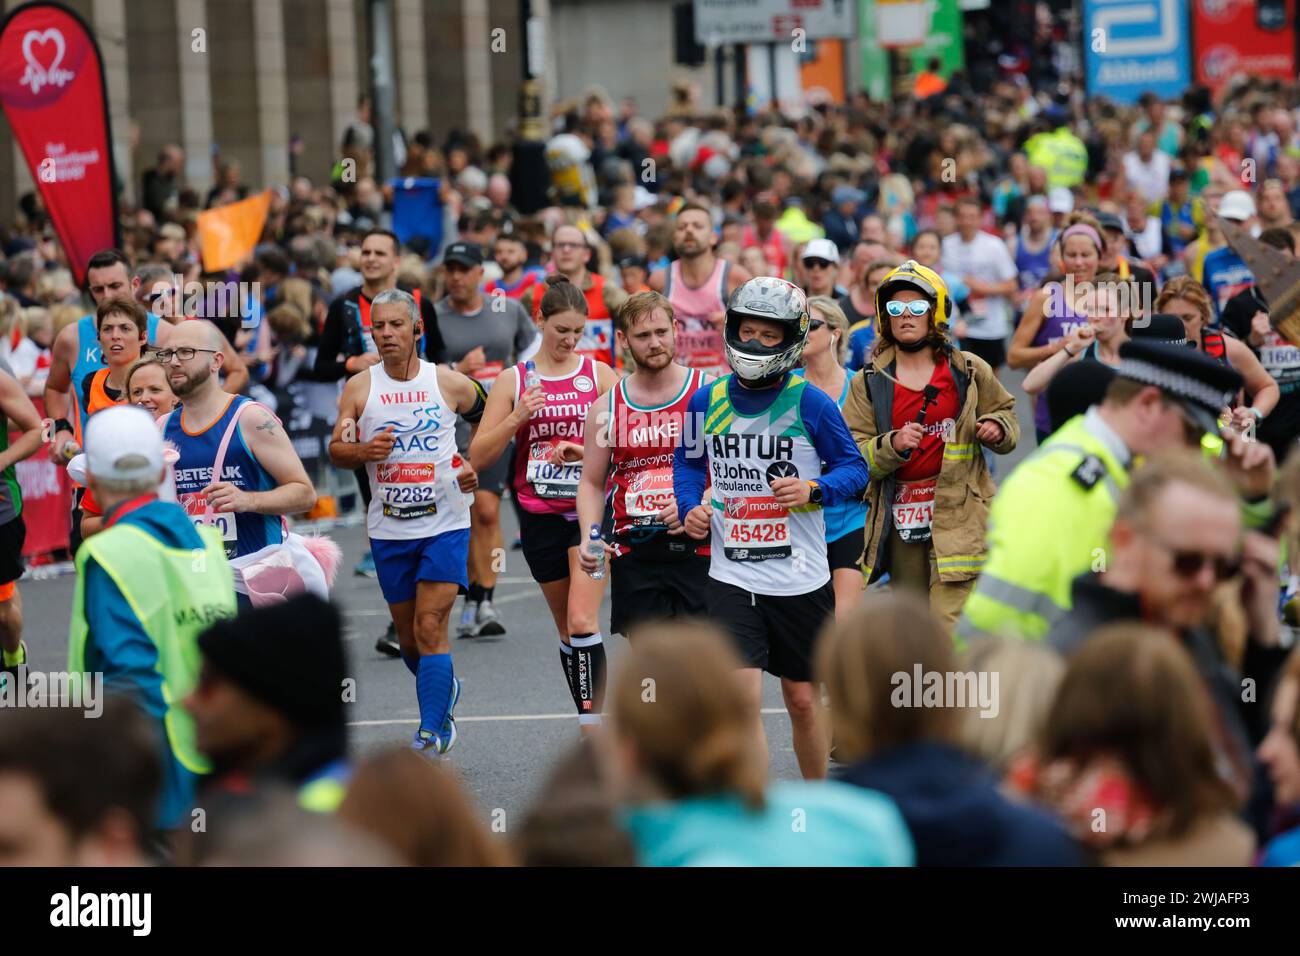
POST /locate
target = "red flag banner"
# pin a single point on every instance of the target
(53, 93)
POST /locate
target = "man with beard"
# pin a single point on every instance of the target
(571, 254)
(262, 479)
(658, 572)
(511, 253)
(698, 284)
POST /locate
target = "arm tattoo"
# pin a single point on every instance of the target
(267, 426)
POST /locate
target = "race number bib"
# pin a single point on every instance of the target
(488, 374)
(648, 494)
(914, 510)
(699, 345)
(196, 506)
(979, 307)
(548, 480)
(755, 529)
(406, 489)
(1279, 357)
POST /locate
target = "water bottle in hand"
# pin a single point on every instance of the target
(531, 378)
(596, 548)
(459, 500)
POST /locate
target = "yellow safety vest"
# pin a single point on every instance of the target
(175, 593)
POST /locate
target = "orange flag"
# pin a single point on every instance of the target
(228, 234)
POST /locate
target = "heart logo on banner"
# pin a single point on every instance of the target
(38, 74)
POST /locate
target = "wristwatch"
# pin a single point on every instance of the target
(814, 493)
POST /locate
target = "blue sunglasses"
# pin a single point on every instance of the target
(918, 307)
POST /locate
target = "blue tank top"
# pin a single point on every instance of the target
(243, 533)
(1059, 320)
(846, 516)
(90, 358)
(1033, 266)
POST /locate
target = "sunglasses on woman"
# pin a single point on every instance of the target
(917, 307)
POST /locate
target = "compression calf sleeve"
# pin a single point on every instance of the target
(566, 659)
(588, 676)
(433, 688)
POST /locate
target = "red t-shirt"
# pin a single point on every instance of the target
(928, 456)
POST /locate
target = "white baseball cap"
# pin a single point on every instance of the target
(123, 444)
(1236, 204)
(1060, 199)
(821, 249)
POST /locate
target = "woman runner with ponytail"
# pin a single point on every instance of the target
(548, 422)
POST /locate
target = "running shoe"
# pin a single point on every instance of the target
(427, 743)
(11, 673)
(387, 644)
(468, 626)
(448, 738)
(488, 620)
(366, 566)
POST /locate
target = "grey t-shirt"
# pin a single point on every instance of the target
(500, 327)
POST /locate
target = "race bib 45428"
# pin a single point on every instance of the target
(755, 529)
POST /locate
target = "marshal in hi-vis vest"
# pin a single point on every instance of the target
(176, 593)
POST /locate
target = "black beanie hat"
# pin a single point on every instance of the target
(289, 655)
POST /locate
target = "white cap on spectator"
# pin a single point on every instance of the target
(1060, 199)
(123, 444)
(1236, 204)
(821, 249)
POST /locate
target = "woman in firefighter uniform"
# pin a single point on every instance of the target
(920, 415)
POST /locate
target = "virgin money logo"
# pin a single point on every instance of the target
(44, 52)
(1219, 63)
(737, 507)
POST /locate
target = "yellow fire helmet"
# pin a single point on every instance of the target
(912, 275)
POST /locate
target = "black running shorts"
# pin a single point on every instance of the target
(547, 539)
(642, 590)
(773, 633)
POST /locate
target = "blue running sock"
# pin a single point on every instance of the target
(412, 662)
(433, 688)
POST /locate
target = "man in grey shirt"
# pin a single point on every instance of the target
(483, 336)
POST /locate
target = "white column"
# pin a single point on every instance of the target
(109, 24)
(340, 27)
(478, 68)
(195, 92)
(272, 90)
(412, 96)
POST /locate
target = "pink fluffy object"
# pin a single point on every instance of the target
(326, 552)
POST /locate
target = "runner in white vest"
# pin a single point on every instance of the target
(398, 419)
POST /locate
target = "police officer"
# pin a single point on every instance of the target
(1049, 520)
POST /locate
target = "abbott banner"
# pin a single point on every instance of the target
(1131, 46)
(52, 89)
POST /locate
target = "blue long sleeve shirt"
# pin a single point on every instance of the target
(844, 470)
(118, 646)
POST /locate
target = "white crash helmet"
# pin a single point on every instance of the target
(775, 300)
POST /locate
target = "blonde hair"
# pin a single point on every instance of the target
(1028, 675)
(1188, 289)
(65, 314)
(696, 737)
(836, 319)
(36, 318)
(857, 658)
(136, 366)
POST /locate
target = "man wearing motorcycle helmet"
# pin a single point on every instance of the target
(771, 451)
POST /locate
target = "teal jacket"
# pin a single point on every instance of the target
(820, 823)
